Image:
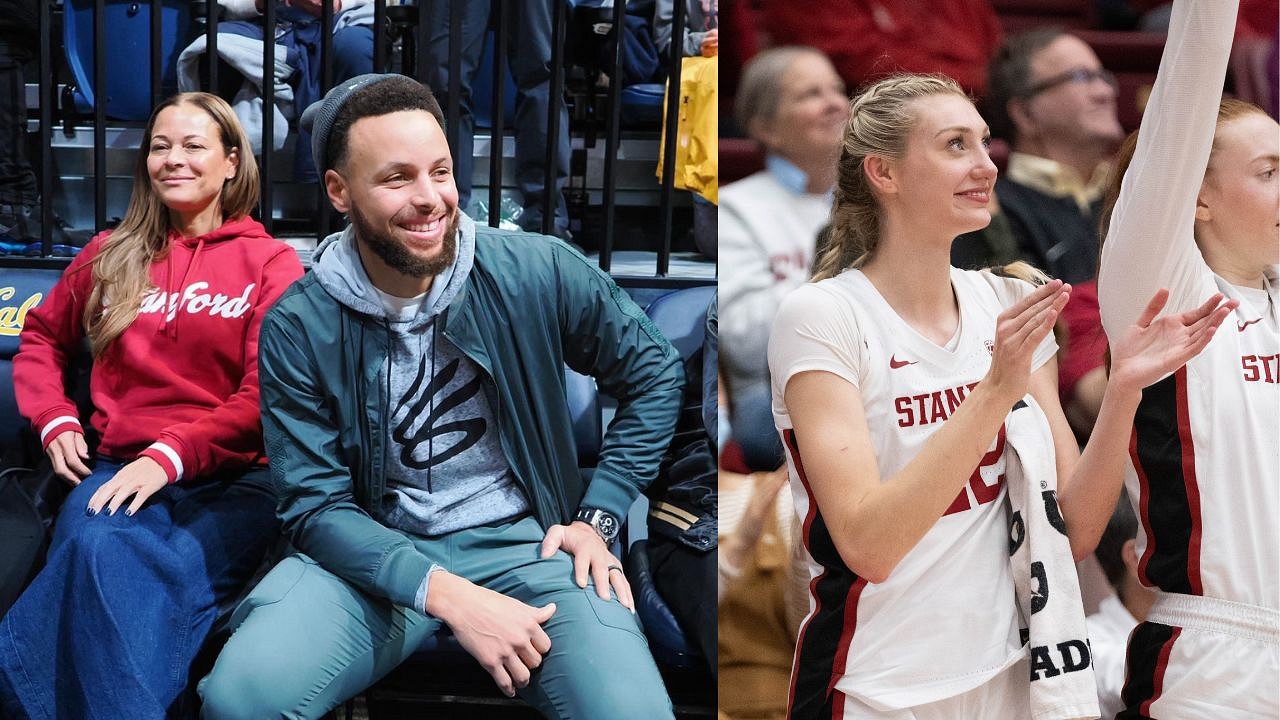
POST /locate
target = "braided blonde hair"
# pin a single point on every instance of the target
(880, 119)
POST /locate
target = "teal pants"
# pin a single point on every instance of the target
(305, 640)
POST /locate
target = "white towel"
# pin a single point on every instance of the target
(1044, 574)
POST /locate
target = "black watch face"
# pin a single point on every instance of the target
(607, 524)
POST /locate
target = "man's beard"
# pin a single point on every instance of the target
(397, 256)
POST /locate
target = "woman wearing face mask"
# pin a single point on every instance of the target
(791, 102)
(175, 513)
(1193, 207)
(893, 376)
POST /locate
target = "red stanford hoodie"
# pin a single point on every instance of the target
(180, 385)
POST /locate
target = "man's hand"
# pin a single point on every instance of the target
(68, 453)
(591, 557)
(141, 478)
(503, 634)
(711, 43)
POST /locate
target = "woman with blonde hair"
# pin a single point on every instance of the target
(176, 511)
(1193, 207)
(894, 375)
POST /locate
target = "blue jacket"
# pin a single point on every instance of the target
(529, 306)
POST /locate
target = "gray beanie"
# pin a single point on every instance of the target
(318, 118)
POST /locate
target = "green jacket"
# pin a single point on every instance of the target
(529, 306)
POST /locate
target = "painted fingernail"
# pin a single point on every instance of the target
(129, 512)
(90, 511)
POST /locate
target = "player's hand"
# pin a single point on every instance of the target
(1153, 347)
(503, 634)
(140, 479)
(69, 453)
(591, 558)
(1019, 331)
(711, 43)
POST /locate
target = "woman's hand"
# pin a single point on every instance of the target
(141, 478)
(1153, 347)
(69, 453)
(1019, 331)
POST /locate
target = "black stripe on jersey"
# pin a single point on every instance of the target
(822, 636)
(1165, 505)
(1148, 656)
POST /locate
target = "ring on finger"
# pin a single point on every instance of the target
(615, 567)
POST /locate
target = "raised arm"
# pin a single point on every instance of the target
(1150, 243)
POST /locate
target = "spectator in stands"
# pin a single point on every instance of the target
(1053, 101)
(682, 510)
(701, 33)
(19, 196)
(352, 41)
(417, 325)
(701, 38)
(794, 104)
(163, 529)
(529, 58)
(297, 73)
(868, 40)
(762, 593)
(1118, 614)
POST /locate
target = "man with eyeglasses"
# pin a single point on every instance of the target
(1055, 104)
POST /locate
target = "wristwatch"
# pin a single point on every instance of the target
(604, 523)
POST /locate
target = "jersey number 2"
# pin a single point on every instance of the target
(982, 492)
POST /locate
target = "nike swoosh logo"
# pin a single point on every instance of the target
(1241, 325)
(896, 363)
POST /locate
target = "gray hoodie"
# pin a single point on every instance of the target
(445, 467)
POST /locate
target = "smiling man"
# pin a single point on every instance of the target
(414, 411)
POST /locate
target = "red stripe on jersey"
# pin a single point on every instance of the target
(1144, 502)
(804, 628)
(789, 437)
(1162, 664)
(1189, 477)
(837, 707)
(846, 637)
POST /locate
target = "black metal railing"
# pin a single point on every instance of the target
(408, 20)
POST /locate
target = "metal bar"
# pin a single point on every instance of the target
(211, 40)
(99, 115)
(266, 213)
(555, 99)
(497, 134)
(612, 139)
(379, 36)
(669, 137)
(157, 61)
(46, 129)
(453, 109)
(324, 218)
(422, 40)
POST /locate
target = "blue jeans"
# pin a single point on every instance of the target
(110, 626)
(529, 59)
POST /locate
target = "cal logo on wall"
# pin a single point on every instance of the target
(14, 310)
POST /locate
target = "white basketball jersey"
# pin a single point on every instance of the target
(945, 620)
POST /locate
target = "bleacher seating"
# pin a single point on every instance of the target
(128, 55)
